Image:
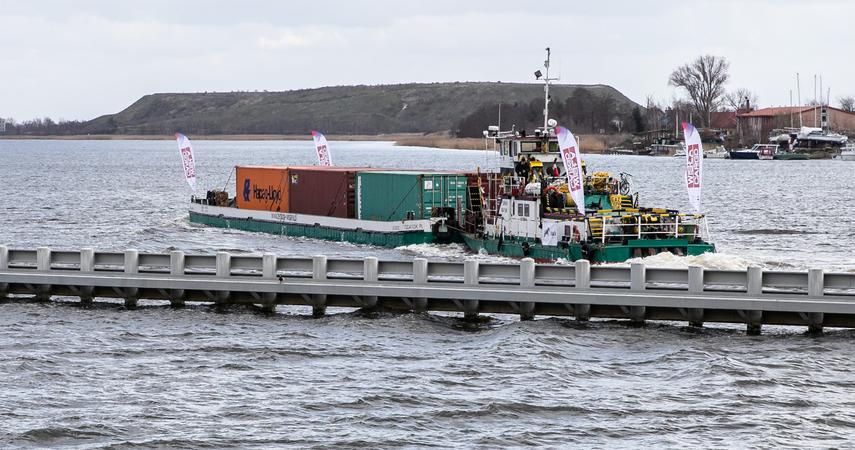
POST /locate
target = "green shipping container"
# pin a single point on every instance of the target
(395, 195)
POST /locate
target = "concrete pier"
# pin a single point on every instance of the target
(813, 299)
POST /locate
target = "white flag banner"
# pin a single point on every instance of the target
(572, 167)
(694, 164)
(324, 157)
(187, 159)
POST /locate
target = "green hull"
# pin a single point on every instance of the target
(317, 232)
(601, 254)
(791, 156)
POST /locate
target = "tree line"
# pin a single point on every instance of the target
(582, 111)
(44, 127)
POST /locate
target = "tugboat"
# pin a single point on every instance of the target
(526, 209)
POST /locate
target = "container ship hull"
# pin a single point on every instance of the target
(383, 234)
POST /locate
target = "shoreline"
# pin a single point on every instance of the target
(588, 143)
(208, 137)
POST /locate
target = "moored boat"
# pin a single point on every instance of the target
(717, 153)
(754, 152)
(847, 153)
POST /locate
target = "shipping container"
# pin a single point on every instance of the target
(323, 191)
(403, 195)
(263, 188)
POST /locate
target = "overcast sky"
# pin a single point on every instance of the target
(80, 59)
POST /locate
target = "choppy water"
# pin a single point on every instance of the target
(156, 377)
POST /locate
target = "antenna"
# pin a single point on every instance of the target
(500, 116)
(799, 87)
(791, 108)
(546, 80)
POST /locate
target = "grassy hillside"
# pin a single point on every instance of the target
(403, 108)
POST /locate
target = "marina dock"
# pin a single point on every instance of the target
(754, 297)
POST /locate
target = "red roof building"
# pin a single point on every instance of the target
(755, 126)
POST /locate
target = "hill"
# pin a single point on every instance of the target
(382, 109)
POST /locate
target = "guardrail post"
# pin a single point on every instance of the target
(582, 311)
(268, 272)
(132, 266)
(696, 286)
(4, 265)
(87, 265)
(816, 288)
(224, 270)
(754, 318)
(527, 281)
(43, 258)
(319, 273)
(43, 264)
(370, 274)
(176, 269)
(420, 278)
(470, 278)
(637, 282)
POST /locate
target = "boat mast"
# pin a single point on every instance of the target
(546, 81)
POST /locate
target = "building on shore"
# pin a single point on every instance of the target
(755, 126)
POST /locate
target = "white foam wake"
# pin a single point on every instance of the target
(454, 252)
(718, 261)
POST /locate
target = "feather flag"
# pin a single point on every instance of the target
(694, 164)
(572, 167)
(187, 160)
(324, 157)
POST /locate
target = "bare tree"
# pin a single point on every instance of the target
(703, 79)
(847, 103)
(740, 98)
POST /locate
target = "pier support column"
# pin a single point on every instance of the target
(816, 289)
(470, 278)
(268, 272)
(696, 286)
(754, 319)
(319, 273)
(4, 265)
(132, 267)
(420, 278)
(176, 269)
(224, 270)
(582, 311)
(87, 265)
(638, 282)
(43, 264)
(527, 281)
(370, 274)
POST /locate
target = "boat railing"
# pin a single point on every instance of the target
(622, 228)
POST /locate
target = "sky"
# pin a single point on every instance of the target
(85, 58)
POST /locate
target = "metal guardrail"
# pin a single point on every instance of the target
(813, 298)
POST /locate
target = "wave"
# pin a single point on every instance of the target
(453, 252)
(717, 261)
(774, 231)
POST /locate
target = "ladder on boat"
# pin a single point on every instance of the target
(595, 225)
(476, 206)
